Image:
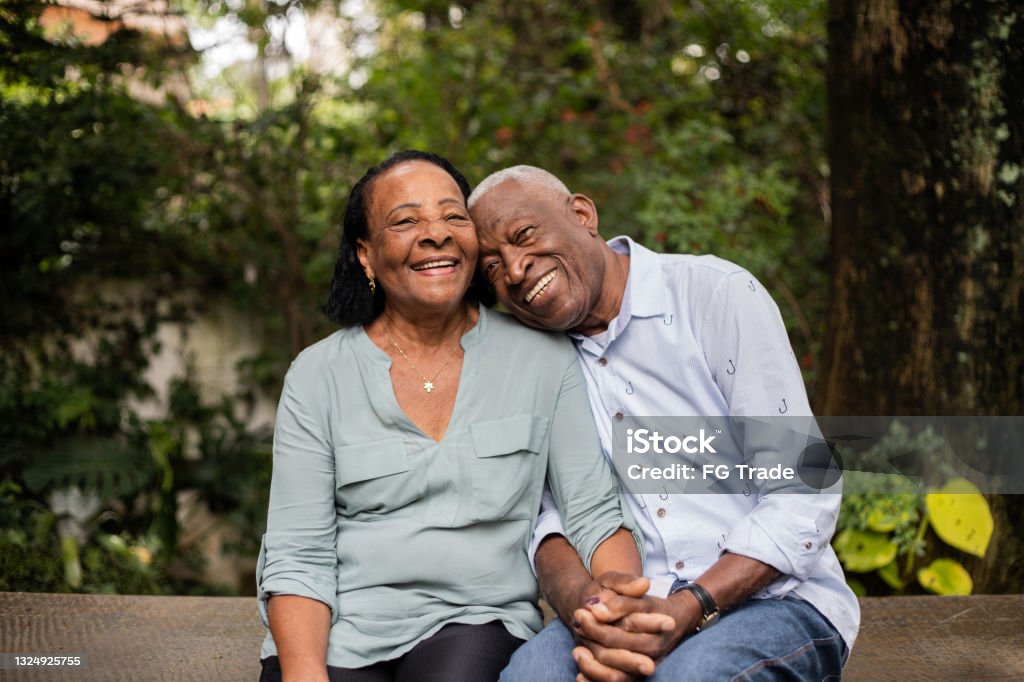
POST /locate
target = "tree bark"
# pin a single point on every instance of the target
(926, 142)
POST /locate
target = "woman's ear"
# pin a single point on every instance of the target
(586, 212)
(362, 253)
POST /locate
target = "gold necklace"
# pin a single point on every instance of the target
(428, 384)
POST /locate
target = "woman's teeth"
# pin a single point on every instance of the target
(434, 264)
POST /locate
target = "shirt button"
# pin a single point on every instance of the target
(661, 513)
(602, 362)
(808, 545)
(619, 416)
(680, 565)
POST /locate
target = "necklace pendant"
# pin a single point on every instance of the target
(428, 386)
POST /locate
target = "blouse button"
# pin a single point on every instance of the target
(602, 362)
(661, 513)
(808, 545)
(619, 416)
(680, 565)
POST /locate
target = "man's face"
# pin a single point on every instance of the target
(540, 250)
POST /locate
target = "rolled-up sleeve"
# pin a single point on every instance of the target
(581, 482)
(298, 555)
(549, 522)
(749, 353)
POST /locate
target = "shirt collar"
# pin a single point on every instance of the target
(469, 339)
(645, 287)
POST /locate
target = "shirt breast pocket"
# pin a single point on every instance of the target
(375, 480)
(508, 471)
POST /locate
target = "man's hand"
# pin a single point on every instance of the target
(610, 665)
(596, 661)
(653, 627)
(627, 633)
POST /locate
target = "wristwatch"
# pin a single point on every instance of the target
(707, 604)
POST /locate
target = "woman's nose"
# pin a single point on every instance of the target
(436, 232)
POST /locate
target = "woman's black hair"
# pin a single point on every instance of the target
(351, 302)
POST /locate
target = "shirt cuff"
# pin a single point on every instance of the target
(548, 523)
(291, 583)
(792, 546)
(778, 588)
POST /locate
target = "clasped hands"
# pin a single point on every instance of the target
(623, 632)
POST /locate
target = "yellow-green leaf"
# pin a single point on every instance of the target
(960, 516)
(882, 521)
(945, 576)
(864, 550)
(72, 564)
(890, 573)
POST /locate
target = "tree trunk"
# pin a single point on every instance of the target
(926, 142)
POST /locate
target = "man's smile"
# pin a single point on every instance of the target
(539, 287)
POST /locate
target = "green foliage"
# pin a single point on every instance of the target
(35, 557)
(94, 262)
(884, 532)
(960, 516)
(104, 465)
(731, 209)
(693, 128)
(945, 576)
(862, 551)
(28, 560)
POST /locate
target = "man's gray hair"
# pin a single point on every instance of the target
(525, 174)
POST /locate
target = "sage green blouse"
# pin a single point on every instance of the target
(399, 534)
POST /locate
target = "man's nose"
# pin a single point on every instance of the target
(515, 272)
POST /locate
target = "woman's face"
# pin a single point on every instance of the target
(421, 245)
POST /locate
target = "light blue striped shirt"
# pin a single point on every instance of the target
(683, 320)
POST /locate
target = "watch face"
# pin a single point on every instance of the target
(707, 622)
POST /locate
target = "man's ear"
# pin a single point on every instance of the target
(586, 212)
(364, 257)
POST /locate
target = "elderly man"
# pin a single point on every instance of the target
(667, 335)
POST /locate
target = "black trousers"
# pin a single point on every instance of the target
(455, 653)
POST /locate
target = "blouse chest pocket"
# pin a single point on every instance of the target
(508, 471)
(375, 479)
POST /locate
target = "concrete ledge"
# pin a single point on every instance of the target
(218, 638)
(940, 638)
(133, 638)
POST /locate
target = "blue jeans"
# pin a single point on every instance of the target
(762, 639)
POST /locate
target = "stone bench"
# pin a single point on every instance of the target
(218, 638)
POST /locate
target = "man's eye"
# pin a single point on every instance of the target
(491, 267)
(523, 233)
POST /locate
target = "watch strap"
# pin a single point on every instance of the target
(707, 603)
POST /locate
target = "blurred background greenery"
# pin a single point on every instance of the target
(172, 177)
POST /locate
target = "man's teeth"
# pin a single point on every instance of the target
(539, 286)
(435, 264)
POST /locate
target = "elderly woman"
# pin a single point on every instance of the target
(410, 453)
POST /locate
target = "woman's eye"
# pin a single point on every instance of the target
(457, 216)
(405, 221)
